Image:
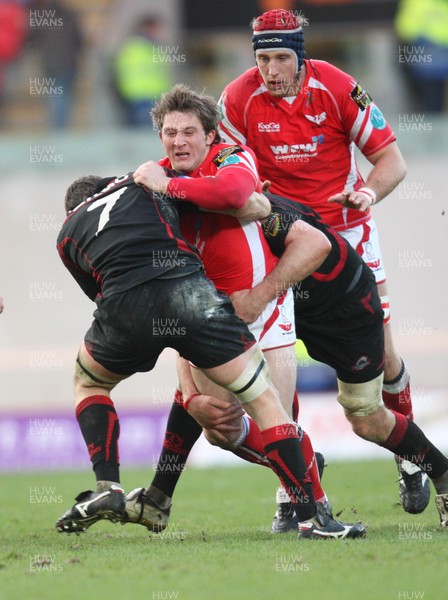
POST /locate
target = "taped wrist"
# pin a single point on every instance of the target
(370, 193)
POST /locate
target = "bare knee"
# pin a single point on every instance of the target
(375, 427)
(226, 441)
(91, 379)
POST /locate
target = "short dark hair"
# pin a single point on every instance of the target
(183, 99)
(81, 189)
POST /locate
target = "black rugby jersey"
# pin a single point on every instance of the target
(341, 272)
(122, 237)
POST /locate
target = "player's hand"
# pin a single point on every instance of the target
(248, 306)
(152, 176)
(265, 186)
(214, 413)
(351, 199)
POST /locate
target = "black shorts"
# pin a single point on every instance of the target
(349, 337)
(187, 313)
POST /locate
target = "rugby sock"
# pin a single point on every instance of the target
(397, 393)
(182, 432)
(410, 443)
(252, 447)
(252, 450)
(309, 455)
(282, 449)
(295, 407)
(311, 465)
(100, 428)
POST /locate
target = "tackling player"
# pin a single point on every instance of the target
(339, 317)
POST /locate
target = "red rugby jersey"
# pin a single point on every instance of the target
(306, 147)
(235, 253)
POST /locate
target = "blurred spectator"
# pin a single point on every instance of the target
(12, 34)
(57, 35)
(1, 305)
(142, 70)
(422, 28)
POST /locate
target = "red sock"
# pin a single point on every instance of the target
(311, 465)
(252, 447)
(252, 450)
(282, 449)
(295, 407)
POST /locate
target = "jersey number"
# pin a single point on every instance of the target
(108, 203)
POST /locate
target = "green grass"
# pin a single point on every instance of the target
(218, 545)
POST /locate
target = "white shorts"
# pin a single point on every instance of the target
(364, 239)
(275, 327)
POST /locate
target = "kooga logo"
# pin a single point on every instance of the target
(269, 41)
(269, 127)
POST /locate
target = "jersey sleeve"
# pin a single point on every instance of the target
(85, 281)
(361, 118)
(231, 127)
(235, 180)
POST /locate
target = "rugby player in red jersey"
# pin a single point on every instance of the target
(235, 255)
(304, 118)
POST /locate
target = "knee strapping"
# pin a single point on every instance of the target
(361, 399)
(87, 377)
(253, 381)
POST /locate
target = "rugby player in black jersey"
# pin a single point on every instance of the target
(339, 317)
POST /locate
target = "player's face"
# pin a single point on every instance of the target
(185, 141)
(278, 70)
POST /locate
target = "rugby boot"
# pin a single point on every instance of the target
(323, 527)
(285, 518)
(143, 510)
(414, 487)
(91, 507)
(442, 507)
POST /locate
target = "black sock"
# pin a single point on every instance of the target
(182, 432)
(410, 443)
(100, 428)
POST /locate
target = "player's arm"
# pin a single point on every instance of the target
(365, 126)
(306, 248)
(229, 188)
(85, 281)
(388, 170)
(256, 207)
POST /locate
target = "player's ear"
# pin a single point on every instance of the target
(210, 137)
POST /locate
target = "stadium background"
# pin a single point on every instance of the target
(45, 314)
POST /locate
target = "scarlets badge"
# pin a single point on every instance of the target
(225, 153)
(272, 225)
(360, 96)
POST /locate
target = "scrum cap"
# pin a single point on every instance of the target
(279, 29)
